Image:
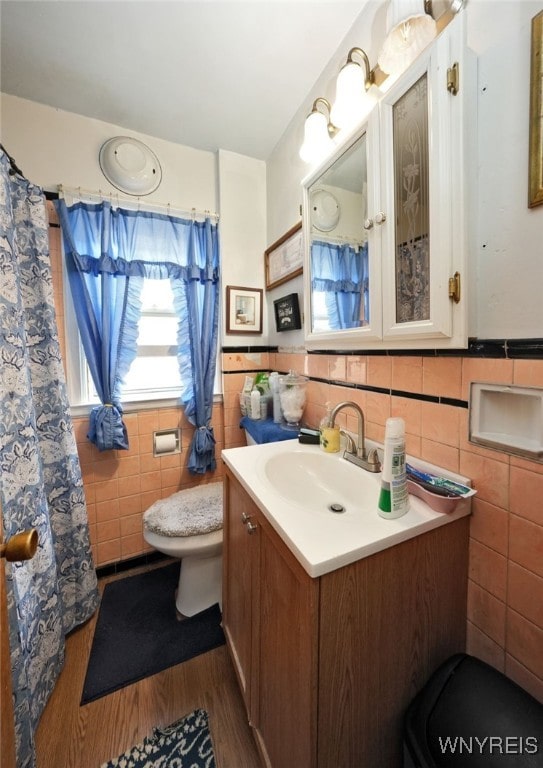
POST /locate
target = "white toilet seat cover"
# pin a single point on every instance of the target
(187, 513)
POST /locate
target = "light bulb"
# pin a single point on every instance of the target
(352, 102)
(317, 140)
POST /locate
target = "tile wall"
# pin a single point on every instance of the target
(505, 599)
(505, 596)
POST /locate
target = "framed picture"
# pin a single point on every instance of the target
(535, 195)
(243, 309)
(287, 313)
(284, 259)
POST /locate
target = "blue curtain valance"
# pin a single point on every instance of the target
(157, 271)
(101, 239)
(341, 264)
(342, 286)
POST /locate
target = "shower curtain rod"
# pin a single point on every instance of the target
(14, 168)
(136, 202)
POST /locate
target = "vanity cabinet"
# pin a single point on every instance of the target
(407, 171)
(270, 610)
(328, 665)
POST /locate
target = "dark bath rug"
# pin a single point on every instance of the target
(138, 634)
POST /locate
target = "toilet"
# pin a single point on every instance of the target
(188, 525)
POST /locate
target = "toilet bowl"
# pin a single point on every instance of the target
(188, 525)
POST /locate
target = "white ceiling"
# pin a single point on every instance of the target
(209, 74)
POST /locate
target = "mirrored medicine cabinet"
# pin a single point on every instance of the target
(385, 215)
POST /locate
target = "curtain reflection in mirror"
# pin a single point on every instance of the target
(340, 285)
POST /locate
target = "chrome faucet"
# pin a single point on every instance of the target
(357, 454)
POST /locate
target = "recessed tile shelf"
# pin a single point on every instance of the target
(507, 418)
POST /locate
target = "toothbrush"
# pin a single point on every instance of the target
(437, 482)
(435, 489)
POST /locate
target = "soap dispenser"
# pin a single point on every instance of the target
(329, 435)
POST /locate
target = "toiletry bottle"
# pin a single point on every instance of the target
(394, 498)
(255, 404)
(274, 387)
(329, 435)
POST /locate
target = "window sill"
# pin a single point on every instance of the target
(78, 411)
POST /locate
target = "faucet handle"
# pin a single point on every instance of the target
(373, 459)
(351, 445)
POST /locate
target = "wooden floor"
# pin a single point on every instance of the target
(70, 736)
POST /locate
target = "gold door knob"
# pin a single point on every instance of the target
(21, 546)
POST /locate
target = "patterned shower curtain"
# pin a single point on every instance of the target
(40, 476)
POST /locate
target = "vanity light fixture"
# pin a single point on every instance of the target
(409, 30)
(318, 132)
(456, 6)
(353, 100)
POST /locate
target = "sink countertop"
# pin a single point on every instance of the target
(320, 539)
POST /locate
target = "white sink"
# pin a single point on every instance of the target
(294, 485)
(318, 480)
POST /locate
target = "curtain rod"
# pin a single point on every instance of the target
(337, 240)
(134, 201)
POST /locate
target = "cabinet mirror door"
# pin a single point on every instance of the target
(342, 271)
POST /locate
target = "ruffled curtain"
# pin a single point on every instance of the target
(109, 251)
(40, 476)
(340, 271)
(197, 303)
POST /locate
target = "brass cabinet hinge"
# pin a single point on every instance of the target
(454, 287)
(453, 79)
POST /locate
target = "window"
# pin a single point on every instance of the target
(155, 371)
(154, 374)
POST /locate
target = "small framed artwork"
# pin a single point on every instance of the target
(535, 196)
(287, 313)
(243, 309)
(284, 259)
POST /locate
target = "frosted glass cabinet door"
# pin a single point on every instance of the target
(412, 203)
(423, 200)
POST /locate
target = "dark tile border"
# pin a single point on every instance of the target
(134, 562)
(506, 349)
(524, 349)
(261, 348)
(496, 348)
(394, 392)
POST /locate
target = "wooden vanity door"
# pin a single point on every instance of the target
(288, 648)
(240, 562)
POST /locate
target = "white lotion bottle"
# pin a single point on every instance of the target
(255, 404)
(394, 497)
